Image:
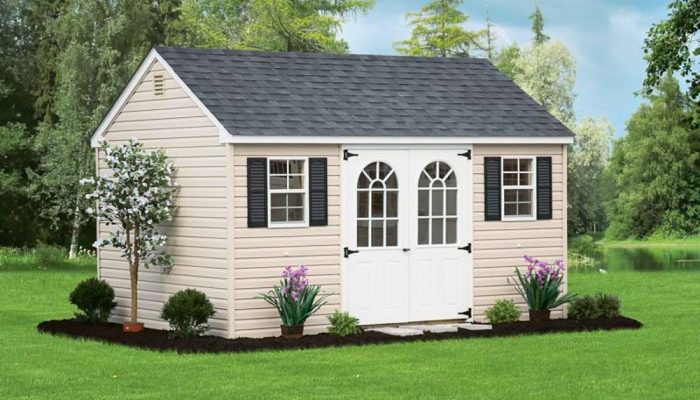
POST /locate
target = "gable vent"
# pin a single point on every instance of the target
(158, 84)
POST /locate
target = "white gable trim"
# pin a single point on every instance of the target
(136, 79)
(262, 139)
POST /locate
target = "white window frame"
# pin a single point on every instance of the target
(304, 191)
(532, 186)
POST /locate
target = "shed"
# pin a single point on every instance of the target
(410, 187)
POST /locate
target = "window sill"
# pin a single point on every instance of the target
(511, 219)
(282, 225)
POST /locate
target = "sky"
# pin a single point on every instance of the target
(605, 37)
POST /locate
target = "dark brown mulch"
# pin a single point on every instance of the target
(153, 339)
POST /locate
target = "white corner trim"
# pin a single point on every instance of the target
(135, 80)
(262, 139)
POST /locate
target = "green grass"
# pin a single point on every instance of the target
(660, 361)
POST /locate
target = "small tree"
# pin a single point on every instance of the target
(137, 198)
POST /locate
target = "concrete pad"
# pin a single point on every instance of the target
(398, 331)
(434, 328)
(474, 327)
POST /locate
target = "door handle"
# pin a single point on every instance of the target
(406, 250)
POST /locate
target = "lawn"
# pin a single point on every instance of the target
(660, 361)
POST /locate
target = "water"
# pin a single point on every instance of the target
(643, 259)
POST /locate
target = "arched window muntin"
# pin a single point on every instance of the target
(377, 206)
(437, 204)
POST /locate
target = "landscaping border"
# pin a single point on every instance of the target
(159, 340)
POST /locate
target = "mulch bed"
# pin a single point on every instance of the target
(153, 339)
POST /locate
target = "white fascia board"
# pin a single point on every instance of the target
(261, 139)
(136, 79)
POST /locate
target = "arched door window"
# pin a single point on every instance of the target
(377, 206)
(437, 205)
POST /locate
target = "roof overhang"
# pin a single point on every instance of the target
(135, 80)
(262, 139)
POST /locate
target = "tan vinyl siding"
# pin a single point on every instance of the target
(499, 246)
(261, 253)
(198, 235)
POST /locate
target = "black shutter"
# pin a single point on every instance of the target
(544, 187)
(492, 188)
(318, 191)
(257, 192)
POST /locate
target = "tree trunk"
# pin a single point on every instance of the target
(75, 234)
(134, 274)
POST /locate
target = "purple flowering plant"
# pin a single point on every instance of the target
(294, 299)
(540, 285)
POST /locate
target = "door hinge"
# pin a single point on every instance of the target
(347, 252)
(467, 154)
(467, 313)
(347, 154)
(467, 248)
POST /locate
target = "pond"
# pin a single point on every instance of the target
(638, 259)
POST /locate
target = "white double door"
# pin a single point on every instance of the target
(407, 221)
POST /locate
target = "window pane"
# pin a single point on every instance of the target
(278, 182)
(437, 231)
(296, 182)
(362, 204)
(525, 179)
(451, 202)
(510, 195)
(371, 171)
(423, 231)
(296, 166)
(295, 200)
(391, 182)
(278, 166)
(423, 203)
(424, 181)
(278, 200)
(510, 164)
(278, 215)
(525, 209)
(392, 233)
(525, 195)
(378, 185)
(392, 204)
(451, 230)
(377, 233)
(510, 209)
(451, 180)
(510, 179)
(431, 170)
(384, 170)
(362, 233)
(444, 169)
(362, 181)
(295, 214)
(525, 165)
(377, 203)
(437, 184)
(437, 201)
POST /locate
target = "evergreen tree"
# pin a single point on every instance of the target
(538, 27)
(438, 31)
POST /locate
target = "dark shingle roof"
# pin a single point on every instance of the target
(260, 93)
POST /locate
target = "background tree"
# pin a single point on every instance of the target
(657, 169)
(209, 24)
(589, 187)
(438, 31)
(538, 27)
(672, 45)
(307, 26)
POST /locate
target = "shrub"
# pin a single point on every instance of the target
(503, 311)
(95, 298)
(294, 299)
(49, 255)
(188, 312)
(343, 324)
(608, 305)
(585, 307)
(540, 285)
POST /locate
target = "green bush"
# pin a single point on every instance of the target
(188, 312)
(48, 255)
(343, 324)
(503, 311)
(95, 298)
(608, 305)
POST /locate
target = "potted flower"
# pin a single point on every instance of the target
(295, 300)
(540, 286)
